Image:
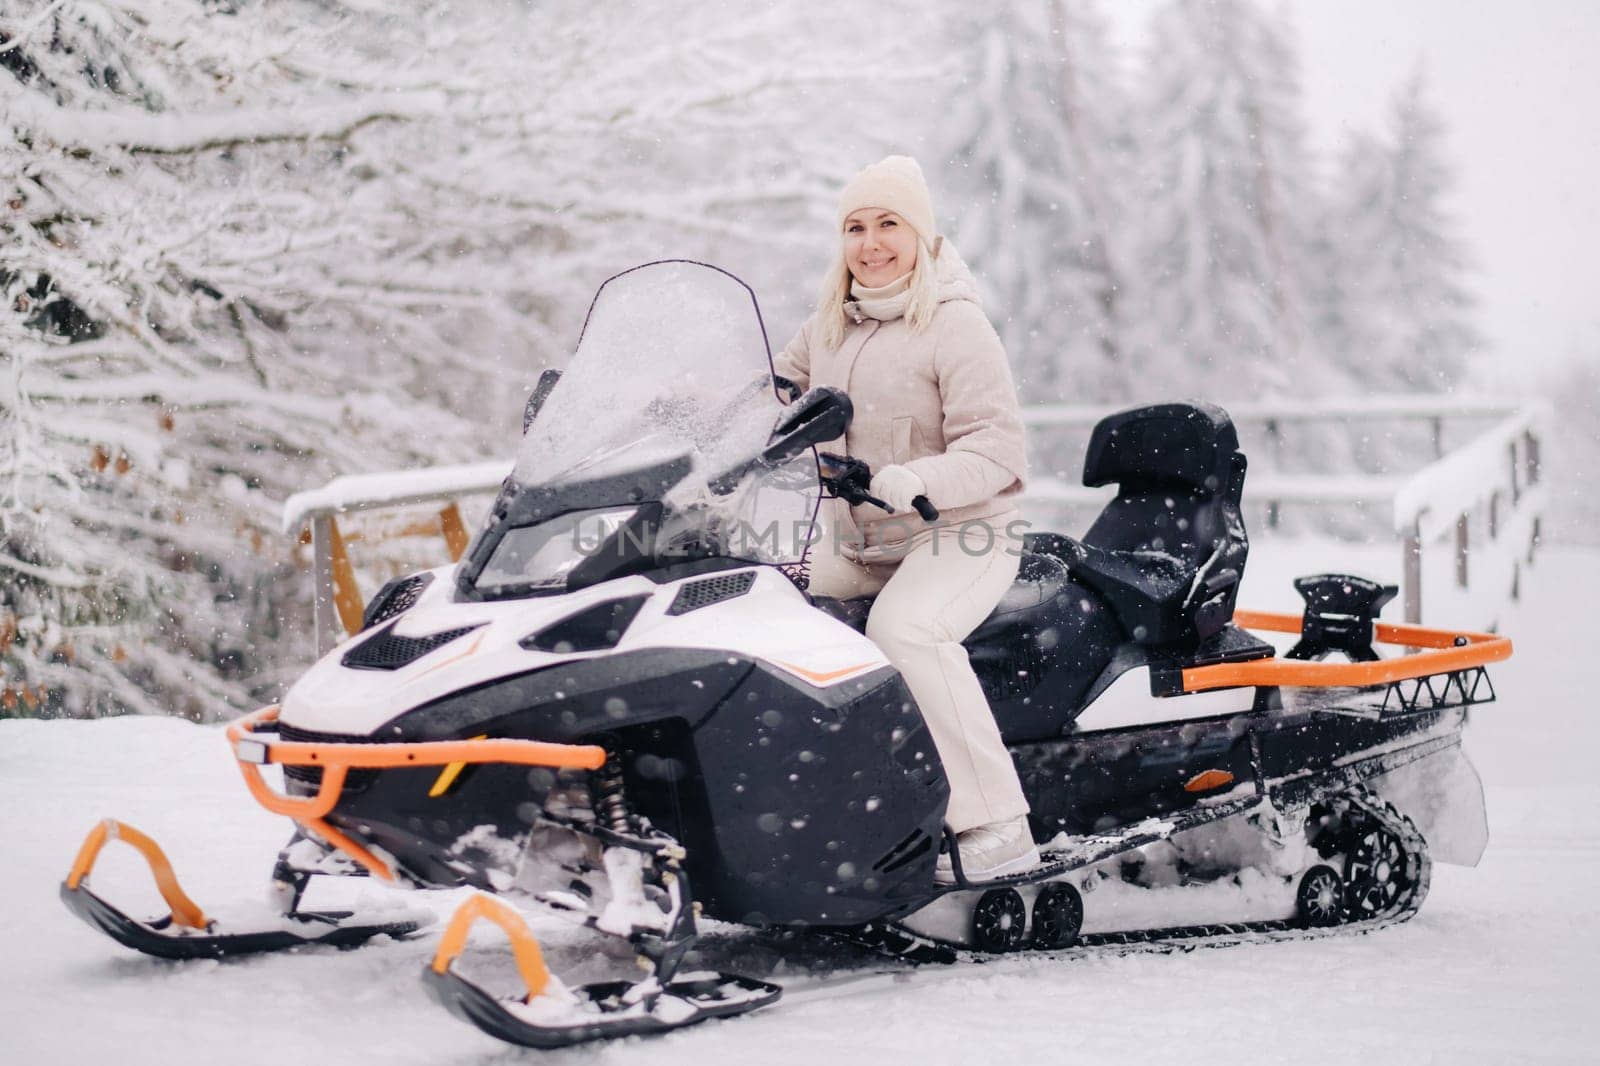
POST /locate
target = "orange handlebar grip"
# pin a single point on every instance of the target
(524, 946)
(185, 911)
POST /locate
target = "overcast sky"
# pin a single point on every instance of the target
(1517, 86)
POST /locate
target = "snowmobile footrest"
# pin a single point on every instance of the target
(1088, 850)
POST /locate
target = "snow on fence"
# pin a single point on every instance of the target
(337, 598)
(1483, 498)
(1487, 497)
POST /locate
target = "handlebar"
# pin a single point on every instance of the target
(850, 480)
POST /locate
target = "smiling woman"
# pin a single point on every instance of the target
(898, 326)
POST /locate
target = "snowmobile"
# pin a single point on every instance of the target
(622, 704)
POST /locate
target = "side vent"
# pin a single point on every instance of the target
(591, 629)
(397, 597)
(706, 591)
(385, 650)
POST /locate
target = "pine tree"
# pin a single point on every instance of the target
(1342, 311)
(1400, 318)
(1037, 158)
(1225, 192)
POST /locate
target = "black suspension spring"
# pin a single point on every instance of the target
(607, 796)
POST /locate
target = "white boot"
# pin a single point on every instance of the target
(990, 851)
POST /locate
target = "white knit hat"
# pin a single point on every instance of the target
(894, 183)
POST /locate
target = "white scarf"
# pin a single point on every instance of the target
(884, 303)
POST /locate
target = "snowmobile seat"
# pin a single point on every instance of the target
(852, 612)
(1168, 552)
(1040, 578)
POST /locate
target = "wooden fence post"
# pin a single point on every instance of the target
(1411, 568)
(455, 531)
(324, 617)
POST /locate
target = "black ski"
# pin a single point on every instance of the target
(164, 939)
(602, 1011)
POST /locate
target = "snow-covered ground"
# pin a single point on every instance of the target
(1493, 970)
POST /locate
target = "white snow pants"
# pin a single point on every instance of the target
(927, 603)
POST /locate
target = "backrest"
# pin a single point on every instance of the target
(1178, 472)
(1170, 443)
(1179, 476)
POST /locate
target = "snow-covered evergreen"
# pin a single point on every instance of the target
(1396, 314)
(1038, 153)
(1226, 195)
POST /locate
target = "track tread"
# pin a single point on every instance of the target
(896, 941)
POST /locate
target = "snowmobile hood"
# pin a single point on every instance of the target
(466, 647)
(445, 646)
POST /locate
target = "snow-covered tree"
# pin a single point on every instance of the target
(1225, 199)
(1395, 314)
(248, 247)
(1037, 153)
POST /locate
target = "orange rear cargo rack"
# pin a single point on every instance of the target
(1444, 651)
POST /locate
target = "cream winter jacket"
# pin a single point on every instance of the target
(941, 403)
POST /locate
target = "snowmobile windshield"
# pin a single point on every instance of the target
(673, 361)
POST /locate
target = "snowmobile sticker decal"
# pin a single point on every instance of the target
(822, 677)
(472, 649)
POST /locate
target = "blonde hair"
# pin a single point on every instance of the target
(920, 305)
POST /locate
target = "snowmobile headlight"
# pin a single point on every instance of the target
(541, 556)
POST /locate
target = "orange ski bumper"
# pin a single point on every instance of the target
(253, 750)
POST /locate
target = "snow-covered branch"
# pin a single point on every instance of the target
(172, 133)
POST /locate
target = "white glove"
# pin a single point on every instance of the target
(897, 487)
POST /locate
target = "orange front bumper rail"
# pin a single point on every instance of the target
(337, 760)
(1445, 651)
(185, 911)
(524, 946)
